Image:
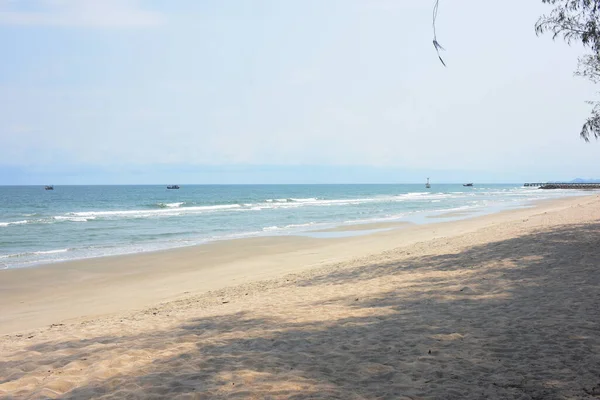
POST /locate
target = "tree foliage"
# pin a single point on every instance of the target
(578, 21)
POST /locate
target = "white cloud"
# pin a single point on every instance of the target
(78, 13)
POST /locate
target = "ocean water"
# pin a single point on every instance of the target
(75, 222)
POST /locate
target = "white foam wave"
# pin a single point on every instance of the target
(74, 219)
(291, 200)
(288, 227)
(51, 251)
(281, 203)
(269, 206)
(142, 213)
(35, 253)
(171, 205)
(14, 223)
(416, 194)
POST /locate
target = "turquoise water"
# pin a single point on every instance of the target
(74, 222)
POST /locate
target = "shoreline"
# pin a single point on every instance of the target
(327, 230)
(42, 295)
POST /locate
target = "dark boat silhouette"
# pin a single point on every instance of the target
(50, 187)
(173, 187)
(467, 184)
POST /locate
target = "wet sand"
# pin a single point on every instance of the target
(500, 306)
(454, 214)
(367, 227)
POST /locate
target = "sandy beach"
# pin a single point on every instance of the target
(504, 306)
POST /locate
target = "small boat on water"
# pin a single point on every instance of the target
(427, 185)
(173, 187)
(468, 184)
(50, 187)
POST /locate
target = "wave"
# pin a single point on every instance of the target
(34, 253)
(169, 205)
(279, 203)
(178, 208)
(292, 200)
(412, 200)
(74, 219)
(287, 227)
(48, 220)
(51, 251)
(14, 223)
(142, 213)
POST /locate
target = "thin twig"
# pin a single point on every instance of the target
(436, 44)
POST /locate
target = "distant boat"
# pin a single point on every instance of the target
(427, 185)
(467, 184)
(173, 187)
(51, 187)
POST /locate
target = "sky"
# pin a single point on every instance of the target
(298, 91)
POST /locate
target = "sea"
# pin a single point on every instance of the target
(40, 226)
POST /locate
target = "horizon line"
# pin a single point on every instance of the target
(274, 184)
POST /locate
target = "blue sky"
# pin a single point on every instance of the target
(125, 91)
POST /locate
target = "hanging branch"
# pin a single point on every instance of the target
(436, 44)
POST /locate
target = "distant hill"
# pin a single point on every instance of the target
(585, 180)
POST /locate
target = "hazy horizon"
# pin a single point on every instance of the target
(270, 174)
(265, 184)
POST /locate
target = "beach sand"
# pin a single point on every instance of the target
(502, 306)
